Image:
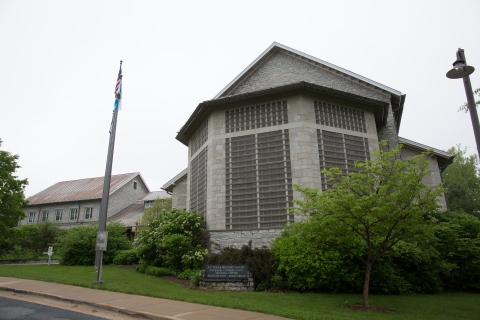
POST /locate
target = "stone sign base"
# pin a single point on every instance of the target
(226, 285)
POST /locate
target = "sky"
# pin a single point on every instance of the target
(59, 62)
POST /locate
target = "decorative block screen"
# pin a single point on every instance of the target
(265, 115)
(199, 138)
(340, 151)
(198, 182)
(258, 180)
(339, 117)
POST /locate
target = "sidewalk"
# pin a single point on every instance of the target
(132, 305)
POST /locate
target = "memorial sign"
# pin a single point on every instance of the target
(226, 272)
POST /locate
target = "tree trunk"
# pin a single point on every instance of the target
(366, 284)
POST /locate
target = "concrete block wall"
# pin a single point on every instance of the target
(434, 178)
(282, 68)
(179, 195)
(126, 195)
(65, 206)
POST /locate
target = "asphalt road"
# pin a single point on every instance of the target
(18, 309)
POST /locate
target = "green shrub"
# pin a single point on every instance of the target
(141, 268)
(126, 257)
(173, 239)
(187, 274)
(77, 247)
(259, 260)
(159, 272)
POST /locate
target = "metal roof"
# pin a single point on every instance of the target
(154, 195)
(83, 189)
(411, 143)
(174, 179)
(130, 215)
(280, 47)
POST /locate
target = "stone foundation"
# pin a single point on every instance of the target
(239, 285)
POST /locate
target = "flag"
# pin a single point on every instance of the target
(118, 90)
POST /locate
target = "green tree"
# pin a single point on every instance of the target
(12, 196)
(464, 107)
(368, 212)
(159, 206)
(172, 239)
(462, 182)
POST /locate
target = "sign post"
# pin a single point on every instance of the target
(50, 254)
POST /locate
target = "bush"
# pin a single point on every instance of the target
(458, 242)
(77, 247)
(172, 239)
(126, 257)
(308, 263)
(259, 261)
(33, 239)
(187, 274)
(159, 272)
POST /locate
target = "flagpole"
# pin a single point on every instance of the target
(106, 185)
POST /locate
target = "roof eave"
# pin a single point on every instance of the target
(205, 107)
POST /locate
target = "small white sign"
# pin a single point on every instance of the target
(102, 237)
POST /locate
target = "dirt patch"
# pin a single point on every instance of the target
(372, 308)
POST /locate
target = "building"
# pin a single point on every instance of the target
(280, 122)
(131, 216)
(71, 203)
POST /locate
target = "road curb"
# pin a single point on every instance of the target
(127, 312)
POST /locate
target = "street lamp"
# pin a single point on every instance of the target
(462, 70)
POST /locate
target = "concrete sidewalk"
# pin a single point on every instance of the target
(128, 304)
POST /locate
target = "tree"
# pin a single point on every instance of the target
(368, 212)
(464, 107)
(12, 196)
(462, 182)
(159, 206)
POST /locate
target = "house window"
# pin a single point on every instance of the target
(58, 215)
(44, 215)
(135, 185)
(148, 204)
(31, 217)
(88, 213)
(73, 214)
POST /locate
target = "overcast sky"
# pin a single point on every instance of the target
(59, 62)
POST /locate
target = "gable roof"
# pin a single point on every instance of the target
(444, 158)
(154, 195)
(278, 47)
(168, 187)
(235, 91)
(83, 189)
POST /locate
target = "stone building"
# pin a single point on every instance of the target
(280, 122)
(70, 203)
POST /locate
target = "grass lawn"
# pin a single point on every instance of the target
(291, 305)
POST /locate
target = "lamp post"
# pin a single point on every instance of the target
(462, 70)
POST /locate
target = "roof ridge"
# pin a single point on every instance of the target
(307, 56)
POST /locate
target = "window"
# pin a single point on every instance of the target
(148, 204)
(135, 185)
(73, 214)
(340, 151)
(58, 215)
(45, 215)
(31, 217)
(88, 213)
(258, 180)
